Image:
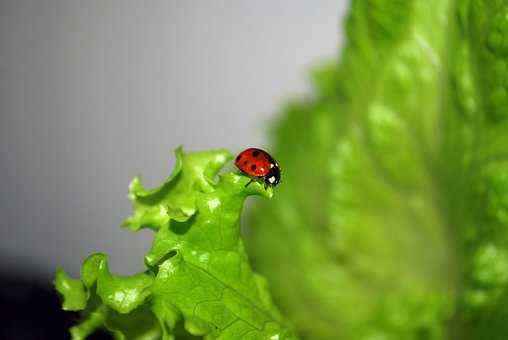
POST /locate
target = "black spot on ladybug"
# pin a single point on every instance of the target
(245, 162)
(255, 153)
(238, 157)
(253, 167)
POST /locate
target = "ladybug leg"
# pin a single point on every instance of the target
(251, 180)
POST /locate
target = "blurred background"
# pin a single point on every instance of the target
(93, 93)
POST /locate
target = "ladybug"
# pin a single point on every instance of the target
(258, 164)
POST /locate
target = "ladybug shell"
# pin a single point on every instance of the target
(255, 162)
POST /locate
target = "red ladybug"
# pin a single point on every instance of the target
(258, 164)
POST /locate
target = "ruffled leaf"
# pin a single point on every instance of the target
(197, 272)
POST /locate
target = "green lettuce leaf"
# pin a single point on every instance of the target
(394, 205)
(197, 272)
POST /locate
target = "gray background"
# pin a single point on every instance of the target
(95, 92)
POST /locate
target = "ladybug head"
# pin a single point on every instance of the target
(273, 177)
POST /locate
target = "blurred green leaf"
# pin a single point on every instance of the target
(393, 212)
